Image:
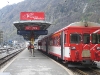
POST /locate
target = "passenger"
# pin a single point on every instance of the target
(32, 47)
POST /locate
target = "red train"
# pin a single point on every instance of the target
(78, 42)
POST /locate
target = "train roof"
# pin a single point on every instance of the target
(80, 24)
(84, 24)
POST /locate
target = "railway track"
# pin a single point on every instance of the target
(7, 58)
(86, 71)
(83, 71)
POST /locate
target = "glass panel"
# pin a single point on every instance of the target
(65, 38)
(99, 38)
(75, 38)
(60, 39)
(51, 41)
(95, 38)
(86, 38)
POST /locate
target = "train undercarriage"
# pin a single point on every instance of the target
(82, 64)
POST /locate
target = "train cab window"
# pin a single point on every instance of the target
(96, 38)
(75, 38)
(86, 38)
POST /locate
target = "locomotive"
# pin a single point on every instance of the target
(76, 44)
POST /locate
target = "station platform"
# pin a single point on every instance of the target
(26, 64)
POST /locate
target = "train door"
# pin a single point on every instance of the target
(62, 45)
(75, 45)
(86, 45)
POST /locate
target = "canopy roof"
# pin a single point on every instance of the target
(20, 25)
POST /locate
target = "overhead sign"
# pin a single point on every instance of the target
(23, 32)
(32, 16)
(40, 32)
(35, 32)
(32, 28)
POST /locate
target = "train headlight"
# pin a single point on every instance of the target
(73, 48)
(98, 48)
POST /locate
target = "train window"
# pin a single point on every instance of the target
(95, 38)
(51, 41)
(99, 38)
(55, 41)
(65, 38)
(86, 38)
(75, 38)
(60, 40)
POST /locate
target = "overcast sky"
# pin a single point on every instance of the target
(8, 2)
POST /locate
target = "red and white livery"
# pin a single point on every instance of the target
(78, 42)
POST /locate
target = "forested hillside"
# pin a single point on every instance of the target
(59, 12)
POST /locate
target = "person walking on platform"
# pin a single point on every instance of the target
(32, 49)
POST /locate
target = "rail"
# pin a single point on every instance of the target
(85, 71)
(7, 57)
(7, 51)
(96, 71)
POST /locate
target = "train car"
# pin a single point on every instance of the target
(78, 42)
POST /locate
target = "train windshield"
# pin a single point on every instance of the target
(75, 38)
(96, 38)
(86, 38)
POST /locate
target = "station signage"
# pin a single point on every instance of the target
(32, 16)
(29, 32)
(41, 32)
(32, 28)
(23, 32)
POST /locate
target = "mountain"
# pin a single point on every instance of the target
(59, 12)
